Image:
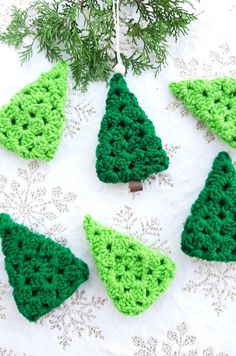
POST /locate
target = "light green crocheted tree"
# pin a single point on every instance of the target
(31, 125)
(213, 102)
(134, 275)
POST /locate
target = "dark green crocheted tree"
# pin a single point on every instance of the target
(134, 275)
(32, 123)
(210, 231)
(42, 273)
(128, 148)
(213, 102)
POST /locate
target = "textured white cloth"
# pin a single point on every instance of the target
(197, 315)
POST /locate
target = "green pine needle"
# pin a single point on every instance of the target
(82, 32)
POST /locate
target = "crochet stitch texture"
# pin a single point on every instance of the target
(42, 273)
(210, 231)
(31, 125)
(134, 275)
(128, 147)
(213, 102)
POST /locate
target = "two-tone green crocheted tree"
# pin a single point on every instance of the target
(134, 275)
(210, 231)
(42, 273)
(213, 102)
(32, 124)
(128, 148)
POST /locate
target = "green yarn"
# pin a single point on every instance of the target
(210, 231)
(128, 147)
(213, 102)
(42, 273)
(134, 275)
(31, 125)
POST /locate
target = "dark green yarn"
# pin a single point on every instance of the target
(128, 147)
(210, 231)
(42, 273)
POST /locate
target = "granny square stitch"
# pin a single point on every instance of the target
(32, 124)
(42, 273)
(134, 275)
(210, 231)
(128, 148)
(213, 102)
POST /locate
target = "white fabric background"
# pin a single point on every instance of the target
(197, 315)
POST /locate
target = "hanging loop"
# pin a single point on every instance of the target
(119, 68)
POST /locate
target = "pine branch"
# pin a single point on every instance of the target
(82, 32)
(26, 53)
(17, 30)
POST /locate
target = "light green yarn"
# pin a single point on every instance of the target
(134, 275)
(213, 102)
(32, 124)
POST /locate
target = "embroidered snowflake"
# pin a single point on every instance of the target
(217, 281)
(75, 317)
(209, 136)
(78, 110)
(30, 202)
(171, 150)
(210, 352)
(3, 289)
(225, 60)
(148, 348)
(177, 343)
(7, 352)
(220, 63)
(178, 105)
(145, 230)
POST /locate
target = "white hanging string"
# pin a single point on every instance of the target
(116, 17)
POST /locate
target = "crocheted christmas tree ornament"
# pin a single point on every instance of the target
(128, 148)
(31, 125)
(134, 275)
(213, 102)
(42, 273)
(210, 231)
